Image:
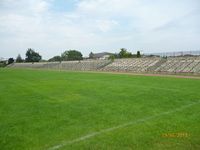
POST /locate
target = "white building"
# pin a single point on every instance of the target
(103, 55)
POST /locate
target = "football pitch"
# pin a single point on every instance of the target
(50, 110)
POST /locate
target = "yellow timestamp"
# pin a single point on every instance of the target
(176, 135)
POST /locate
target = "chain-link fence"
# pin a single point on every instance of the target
(175, 54)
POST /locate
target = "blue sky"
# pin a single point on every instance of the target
(63, 5)
(53, 26)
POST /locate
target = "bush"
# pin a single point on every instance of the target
(71, 55)
(10, 61)
(55, 58)
(2, 64)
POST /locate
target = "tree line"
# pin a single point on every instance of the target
(68, 55)
(125, 54)
(122, 54)
(33, 56)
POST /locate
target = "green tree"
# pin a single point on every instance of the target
(138, 54)
(71, 55)
(10, 61)
(124, 53)
(91, 55)
(19, 59)
(32, 56)
(55, 58)
(112, 57)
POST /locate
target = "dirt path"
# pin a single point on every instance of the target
(187, 76)
(150, 74)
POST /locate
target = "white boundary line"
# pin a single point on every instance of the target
(119, 126)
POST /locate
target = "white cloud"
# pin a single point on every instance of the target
(98, 25)
(106, 25)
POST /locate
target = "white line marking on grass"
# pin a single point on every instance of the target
(119, 126)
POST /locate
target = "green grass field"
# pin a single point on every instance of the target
(42, 110)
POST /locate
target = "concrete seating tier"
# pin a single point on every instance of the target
(180, 65)
(65, 65)
(84, 65)
(132, 65)
(169, 65)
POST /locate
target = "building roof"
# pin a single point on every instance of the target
(3, 59)
(99, 55)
